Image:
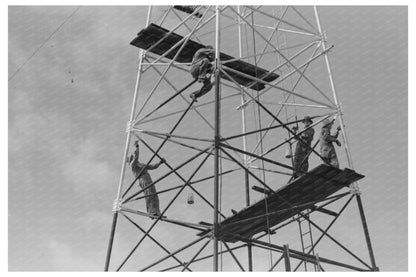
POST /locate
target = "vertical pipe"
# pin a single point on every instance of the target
(110, 243)
(243, 111)
(250, 257)
(249, 246)
(243, 124)
(318, 264)
(366, 233)
(287, 257)
(126, 149)
(358, 197)
(216, 138)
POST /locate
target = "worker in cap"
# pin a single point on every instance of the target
(307, 119)
(327, 150)
(303, 147)
(201, 70)
(140, 171)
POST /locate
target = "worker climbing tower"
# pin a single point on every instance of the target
(229, 199)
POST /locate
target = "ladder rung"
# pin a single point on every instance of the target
(308, 232)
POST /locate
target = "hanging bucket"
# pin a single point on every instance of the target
(190, 198)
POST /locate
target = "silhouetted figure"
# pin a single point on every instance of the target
(152, 200)
(303, 148)
(201, 70)
(326, 140)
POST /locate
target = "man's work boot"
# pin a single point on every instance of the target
(193, 97)
(205, 88)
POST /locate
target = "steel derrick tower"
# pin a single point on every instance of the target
(228, 199)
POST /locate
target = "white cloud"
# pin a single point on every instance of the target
(86, 173)
(94, 222)
(66, 258)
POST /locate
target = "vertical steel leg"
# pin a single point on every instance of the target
(366, 233)
(126, 149)
(217, 138)
(360, 207)
(287, 257)
(110, 243)
(243, 122)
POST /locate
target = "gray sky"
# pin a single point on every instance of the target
(68, 108)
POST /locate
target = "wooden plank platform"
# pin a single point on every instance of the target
(153, 33)
(188, 9)
(315, 186)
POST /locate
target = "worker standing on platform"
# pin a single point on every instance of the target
(303, 148)
(326, 140)
(152, 200)
(201, 70)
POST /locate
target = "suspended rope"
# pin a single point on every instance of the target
(40, 47)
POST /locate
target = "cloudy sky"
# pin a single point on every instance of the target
(69, 104)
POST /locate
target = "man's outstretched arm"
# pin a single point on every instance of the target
(154, 166)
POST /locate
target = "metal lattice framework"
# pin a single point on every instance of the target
(232, 138)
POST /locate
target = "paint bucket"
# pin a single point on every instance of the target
(190, 198)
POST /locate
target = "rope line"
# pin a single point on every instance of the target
(40, 47)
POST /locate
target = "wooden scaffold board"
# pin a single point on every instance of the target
(149, 36)
(289, 200)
